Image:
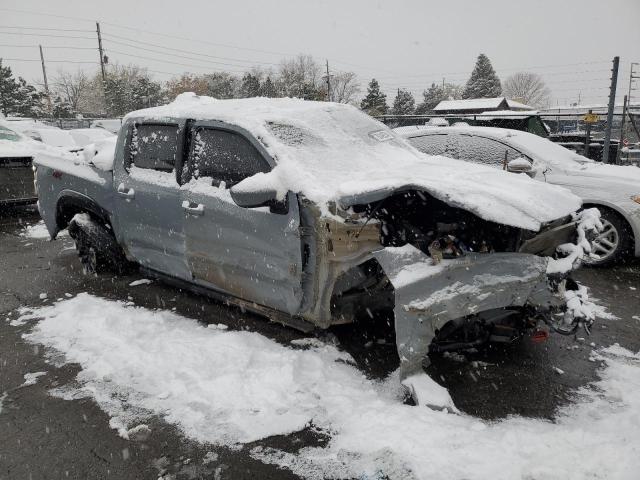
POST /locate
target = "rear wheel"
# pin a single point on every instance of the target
(96, 245)
(613, 243)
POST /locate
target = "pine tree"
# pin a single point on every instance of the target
(17, 97)
(268, 89)
(431, 98)
(483, 83)
(404, 104)
(250, 86)
(375, 103)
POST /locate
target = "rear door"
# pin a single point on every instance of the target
(251, 253)
(149, 220)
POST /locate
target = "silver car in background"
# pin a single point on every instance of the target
(613, 189)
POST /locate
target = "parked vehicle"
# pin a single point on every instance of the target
(614, 190)
(16, 173)
(109, 124)
(52, 136)
(85, 136)
(313, 214)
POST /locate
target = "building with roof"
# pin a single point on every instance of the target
(479, 105)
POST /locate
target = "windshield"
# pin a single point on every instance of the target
(6, 134)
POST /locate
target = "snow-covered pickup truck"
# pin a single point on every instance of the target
(314, 214)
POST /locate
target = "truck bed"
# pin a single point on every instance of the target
(60, 176)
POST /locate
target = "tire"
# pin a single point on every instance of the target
(613, 244)
(97, 247)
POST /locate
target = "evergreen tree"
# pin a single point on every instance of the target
(431, 97)
(483, 83)
(250, 86)
(61, 108)
(375, 103)
(404, 104)
(17, 97)
(268, 89)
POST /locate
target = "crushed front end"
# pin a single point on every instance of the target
(458, 281)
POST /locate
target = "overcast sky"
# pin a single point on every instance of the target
(403, 43)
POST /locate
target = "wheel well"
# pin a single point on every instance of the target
(613, 211)
(70, 205)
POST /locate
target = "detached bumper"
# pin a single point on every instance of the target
(427, 296)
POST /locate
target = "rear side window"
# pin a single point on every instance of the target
(432, 144)
(485, 151)
(224, 156)
(154, 146)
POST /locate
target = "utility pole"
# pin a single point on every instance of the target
(328, 83)
(100, 50)
(612, 105)
(46, 82)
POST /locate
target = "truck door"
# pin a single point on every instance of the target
(148, 214)
(250, 253)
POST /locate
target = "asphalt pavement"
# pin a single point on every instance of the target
(42, 436)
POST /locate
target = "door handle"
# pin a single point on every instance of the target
(191, 209)
(126, 192)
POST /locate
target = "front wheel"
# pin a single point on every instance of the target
(613, 243)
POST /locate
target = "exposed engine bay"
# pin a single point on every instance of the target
(445, 234)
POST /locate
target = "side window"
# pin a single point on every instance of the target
(154, 146)
(224, 156)
(485, 151)
(433, 144)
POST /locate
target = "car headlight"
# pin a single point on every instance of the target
(636, 198)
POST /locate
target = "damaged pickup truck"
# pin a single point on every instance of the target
(313, 214)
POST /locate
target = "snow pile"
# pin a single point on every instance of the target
(588, 220)
(37, 231)
(329, 151)
(226, 387)
(100, 154)
(32, 378)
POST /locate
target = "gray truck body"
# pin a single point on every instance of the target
(288, 260)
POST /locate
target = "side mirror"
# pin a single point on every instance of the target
(520, 165)
(252, 199)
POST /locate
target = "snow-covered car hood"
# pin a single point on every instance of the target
(328, 151)
(9, 148)
(494, 195)
(617, 179)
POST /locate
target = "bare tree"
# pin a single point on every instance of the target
(301, 77)
(528, 88)
(71, 87)
(344, 87)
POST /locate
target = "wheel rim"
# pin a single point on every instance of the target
(605, 244)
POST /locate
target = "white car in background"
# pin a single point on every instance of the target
(85, 136)
(613, 189)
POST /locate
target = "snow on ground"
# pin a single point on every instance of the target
(32, 378)
(39, 231)
(230, 387)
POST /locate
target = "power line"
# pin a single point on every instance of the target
(107, 36)
(166, 61)
(45, 35)
(47, 46)
(45, 28)
(48, 61)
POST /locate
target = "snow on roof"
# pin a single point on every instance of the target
(509, 113)
(329, 151)
(479, 104)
